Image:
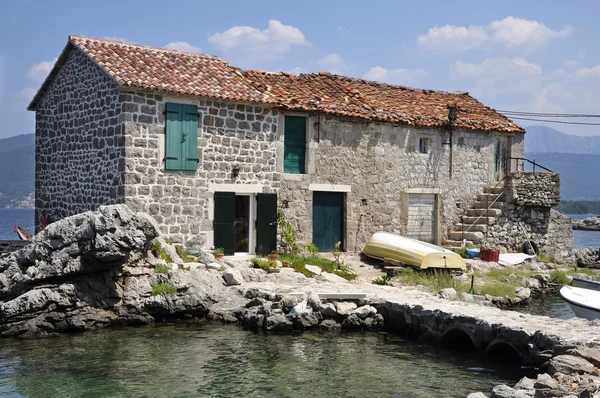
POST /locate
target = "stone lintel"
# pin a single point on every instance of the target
(424, 190)
(237, 188)
(330, 188)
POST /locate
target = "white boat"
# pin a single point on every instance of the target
(419, 254)
(585, 303)
(586, 283)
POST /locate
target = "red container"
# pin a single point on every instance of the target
(484, 254)
(494, 255)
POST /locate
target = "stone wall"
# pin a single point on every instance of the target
(380, 162)
(79, 142)
(229, 135)
(9, 246)
(534, 189)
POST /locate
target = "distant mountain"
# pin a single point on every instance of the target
(542, 139)
(17, 170)
(579, 173)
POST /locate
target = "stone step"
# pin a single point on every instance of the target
(490, 197)
(481, 221)
(455, 245)
(474, 227)
(482, 205)
(484, 212)
(494, 189)
(474, 236)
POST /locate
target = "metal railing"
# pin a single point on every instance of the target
(532, 162)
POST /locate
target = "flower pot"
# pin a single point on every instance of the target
(221, 255)
(285, 264)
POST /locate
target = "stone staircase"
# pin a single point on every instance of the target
(478, 217)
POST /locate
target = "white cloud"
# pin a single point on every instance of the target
(453, 39)
(296, 71)
(510, 32)
(183, 46)
(334, 63)
(571, 64)
(253, 45)
(38, 72)
(343, 29)
(500, 75)
(395, 76)
(115, 38)
(517, 32)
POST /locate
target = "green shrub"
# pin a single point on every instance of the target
(183, 268)
(168, 240)
(311, 248)
(463, 253)
(162, 269)
(559, 277)
(263, 263)
(298, 264)
(219, 250)
(163, 288)
(383, 280)
(497, 289)
(288, 232)
(158, 251)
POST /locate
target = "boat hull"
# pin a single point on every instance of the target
(585, 303)
(419, 254)
(586, 284)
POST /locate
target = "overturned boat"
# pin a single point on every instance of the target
(423, 255)
(586, 283)
(585, 303)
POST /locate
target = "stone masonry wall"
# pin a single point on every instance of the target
(534, 189)
(9, 246)
(239, 135)
(79, 142)
(380, 161)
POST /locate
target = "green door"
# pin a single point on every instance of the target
(328, 220)
(266, 222)
(224, 225)
(294, 144)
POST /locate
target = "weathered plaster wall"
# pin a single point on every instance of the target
(380, 161)
(79, 142)
(181, 201)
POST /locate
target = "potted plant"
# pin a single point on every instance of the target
(218, 252)
(272, 256)
(285, 264)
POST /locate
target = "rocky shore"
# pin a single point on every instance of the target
(588, 224)
(112, 267)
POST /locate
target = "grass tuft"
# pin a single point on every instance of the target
(163, 288)
(162, 269)
(298, 263)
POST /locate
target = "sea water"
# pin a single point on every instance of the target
(9, 218)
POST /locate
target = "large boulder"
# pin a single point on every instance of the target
(568, 364)
(587, 257)
(232, 277)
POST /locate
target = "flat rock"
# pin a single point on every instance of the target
(477, 395)
(545, 381)
(232, 277)
(314, 269)
(447, 293)
(589, 354)
(365, 311)
(524, 293)
(525, 384)
(329, 324)
(328, 310)
(215, 266)
(568, 364)
(503, 391)
(333, 278)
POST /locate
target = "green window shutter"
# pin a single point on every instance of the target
(224, 227)
(294, 143)
(266, 223)
(190, 138)
(173, 136)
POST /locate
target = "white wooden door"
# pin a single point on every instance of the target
(421, 217)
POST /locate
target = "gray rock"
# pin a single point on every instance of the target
(329, 324)
(365, 311)
(525, 384)
(232, 277)
(477, 395)
(215, 266)
(278, 322)
(345, 308)
(590, 354)
(333, 278)
(288, 302)
(313, 301)
(545, 381)
(523, 293)
(328, 310)
(305, 321)
(533, 283)
(503, 391)
(353, 322)
(448, 293)
(587, 257)
(568, 364)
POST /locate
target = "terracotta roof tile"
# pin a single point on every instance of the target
(170, 71)
(365, 99)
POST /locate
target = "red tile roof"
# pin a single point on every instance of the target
(340, 95)
(193, 74)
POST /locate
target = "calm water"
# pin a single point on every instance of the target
(11, 217)
(585, 238)
(225, 361)
(548, 305)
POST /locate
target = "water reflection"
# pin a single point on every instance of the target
(191, 360)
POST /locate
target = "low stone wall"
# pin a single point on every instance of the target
(9, 246)
(534, 189)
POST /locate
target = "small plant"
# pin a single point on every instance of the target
(222, 268)
(547, 258)
(337, 254)
(463, 253)
(559, 277)
(383, 280)
(219, 250)
(158, 251)
(183, 268)
(272, 256)
(264, 264)
(169, 241)
(311, 248)
(288, 232)
(185, 255)
(469, 267)
(162, 269)
(163, 288)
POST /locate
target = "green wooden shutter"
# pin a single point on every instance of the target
(328, 220)
(294, 142)
(173, 136)
(190, 138)
(266, 223)
(224, 230)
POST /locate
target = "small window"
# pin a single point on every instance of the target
(294, 143)
(424, 144)
(181, 137)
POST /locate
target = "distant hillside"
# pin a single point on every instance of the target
(579, 174)
(542, 139)
(17, 169)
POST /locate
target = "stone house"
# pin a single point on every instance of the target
(212, 151)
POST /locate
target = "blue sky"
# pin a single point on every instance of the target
(539, 56)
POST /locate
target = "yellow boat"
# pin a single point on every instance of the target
(419, 254)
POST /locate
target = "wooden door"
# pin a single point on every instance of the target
(328, 220)
(266, 223)
(500, 157)
(421, 217)
(224, 222)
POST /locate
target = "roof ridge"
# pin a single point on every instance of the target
(72, 38)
